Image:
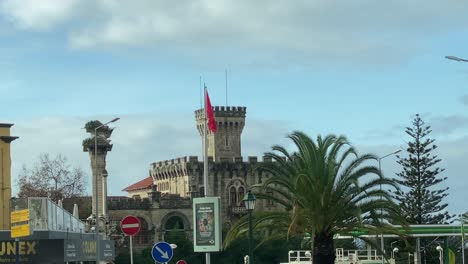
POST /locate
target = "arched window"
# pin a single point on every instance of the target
(240, 196)
(232, 196)
(174, 223)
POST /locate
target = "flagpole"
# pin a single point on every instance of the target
(205, 162)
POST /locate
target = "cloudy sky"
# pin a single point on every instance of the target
(359, 68)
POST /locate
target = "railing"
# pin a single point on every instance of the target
(355, 255)
(45, 215)
(300, 257)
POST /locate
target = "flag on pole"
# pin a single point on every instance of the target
(209, 113)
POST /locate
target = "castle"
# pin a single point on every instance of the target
(162, 201)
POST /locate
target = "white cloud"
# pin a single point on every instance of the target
(363, 31)
(38, 14)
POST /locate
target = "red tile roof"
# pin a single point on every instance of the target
(143, 184)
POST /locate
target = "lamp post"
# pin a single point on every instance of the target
(382, 248)
(441, 252)
(249, 202)
(96, 202)
(395, 250)
(455, 58)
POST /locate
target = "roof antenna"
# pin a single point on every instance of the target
(226, 77)
(201, 96)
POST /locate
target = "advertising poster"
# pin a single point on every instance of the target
(206, 224)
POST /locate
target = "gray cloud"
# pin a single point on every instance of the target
(345, 31)
(445, 125)
(442, 126)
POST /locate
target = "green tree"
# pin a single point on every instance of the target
(420, 200)
(326, 188)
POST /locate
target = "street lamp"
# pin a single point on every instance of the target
(96, 202)
(441, 251)
(249, 202)
(395, 250)
(455, 58)
(382, 248)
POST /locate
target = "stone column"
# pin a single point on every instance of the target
(98, 162)
(98, 166)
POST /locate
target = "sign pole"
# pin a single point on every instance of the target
(17, 250)
(130, 226)
(131, 249)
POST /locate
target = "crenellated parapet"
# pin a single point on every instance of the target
(193, 166)
(226, 117)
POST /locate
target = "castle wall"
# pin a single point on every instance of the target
(229, 179)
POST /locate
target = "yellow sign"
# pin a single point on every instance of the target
(20, 216)
(20, 231)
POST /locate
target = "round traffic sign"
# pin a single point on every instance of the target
(162, 252)
(181, 262)
(130, 225)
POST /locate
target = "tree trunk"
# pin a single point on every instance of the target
(324, 249)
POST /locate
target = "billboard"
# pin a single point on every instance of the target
(207, 225)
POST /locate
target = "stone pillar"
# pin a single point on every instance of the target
(98, 162)
(5, 175)
(98, 166)
(104, 193)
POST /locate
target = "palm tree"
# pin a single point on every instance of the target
(326, 189)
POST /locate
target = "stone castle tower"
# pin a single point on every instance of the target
(5, 175)
(225, 144)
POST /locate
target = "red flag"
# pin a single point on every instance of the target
(209, 113)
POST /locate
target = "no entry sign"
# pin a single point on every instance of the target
(130, 225)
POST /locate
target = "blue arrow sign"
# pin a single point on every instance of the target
(162, 252)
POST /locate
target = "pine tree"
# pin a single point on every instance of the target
(420, 200)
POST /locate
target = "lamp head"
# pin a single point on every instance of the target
(395, 250)
(439, 248)
(249, 201)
